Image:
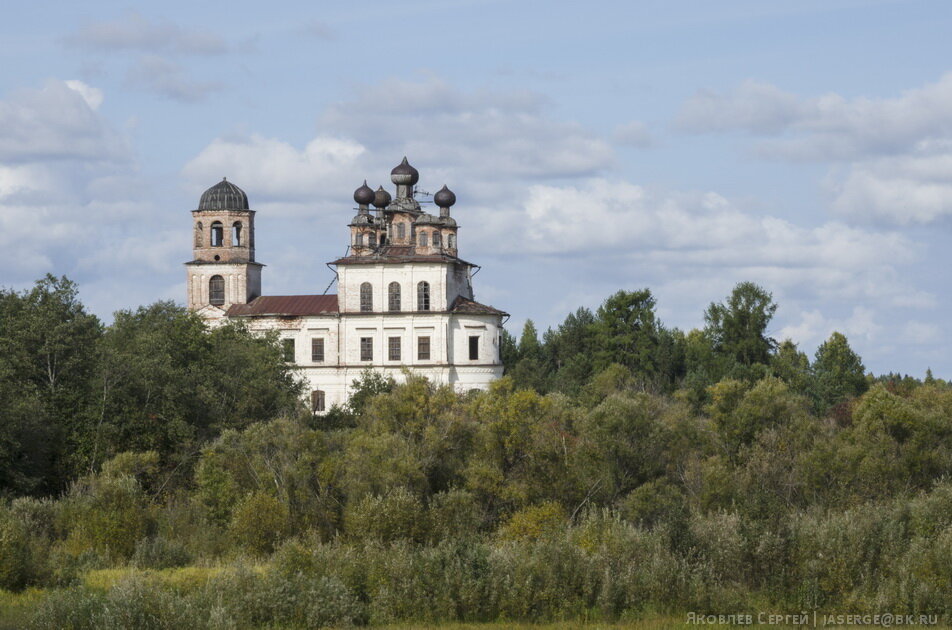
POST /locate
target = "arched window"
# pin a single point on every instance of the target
(236, 234)
(373, 239)
(359, 239)
(199, 234)
(366, 298)
(218, 234)
(437, 241)
(423, 296)
(421, 239)
(451, 241)
(393, 296)
(401, 230)
(216, 291)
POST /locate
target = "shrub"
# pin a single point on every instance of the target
(534, 522)
(160, 553)
(260, 522)
(16, 557)
(397, 515)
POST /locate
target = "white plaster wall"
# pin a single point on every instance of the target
(445, 284)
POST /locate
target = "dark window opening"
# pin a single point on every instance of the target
(218, 234)
(474, 348)
(393, 299)
(401, 230)
(366, 298)
(317, 401)
(366, 349)
(317, 350)
(423, 348)
(423, 296)
(393, 348)
(437, 240)
(236, 234)
(373, 239)
(421, 237)
(216, 291)
(287, 349)
(451, 241)
(359, 240)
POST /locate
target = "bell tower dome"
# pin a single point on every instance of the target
(223, 270)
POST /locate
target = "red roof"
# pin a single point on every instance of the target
(286, 305)
(462, 305)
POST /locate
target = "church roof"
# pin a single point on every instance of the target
(223, 196)
(462, 305)
(398, 254)
(286, 305)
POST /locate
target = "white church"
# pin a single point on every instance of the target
(405, 298)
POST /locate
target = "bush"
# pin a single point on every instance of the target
(260, 522)
(534, 522)
(16, 557)
(160, 553)
(398, 515)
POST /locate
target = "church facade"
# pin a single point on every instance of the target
(405, 298)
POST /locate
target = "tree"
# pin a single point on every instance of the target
(529, 371)
(792, 367)
(48, 354)
(627, 332)
(838, 372)
(738, 327)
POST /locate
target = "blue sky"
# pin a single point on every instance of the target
(680, 146)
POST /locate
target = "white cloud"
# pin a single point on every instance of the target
(488, 135)
(135, 32)
(57, 122)
(898, 150)
(167, 78)
(633, 134)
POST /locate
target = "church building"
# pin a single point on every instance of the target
(405, 297)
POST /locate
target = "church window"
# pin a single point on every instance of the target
(236, 234)
(317, 350)
(287, 350)
(423, 348)
(216, 291)
(393, 298)
(401, 230)
(393, 348)
(218, 234)
(317, 401)
(199, 236)
(474, 348)
(421, 238)
(423, 296)
(437, 241)
(366, 298)
(359, 239)
(373, 239)
(366, 349)
(451, 241)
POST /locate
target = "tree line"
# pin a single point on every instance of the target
(619, 469)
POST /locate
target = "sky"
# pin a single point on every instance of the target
(675, 145)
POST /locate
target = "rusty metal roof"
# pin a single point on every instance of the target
(398, 254)
(286, 305)
(462, 305)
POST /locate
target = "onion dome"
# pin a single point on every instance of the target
(381, 198)
(444, 197)
(404, 174)
(364, 195)
(223, 196)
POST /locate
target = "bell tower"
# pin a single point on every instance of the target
(223, 270)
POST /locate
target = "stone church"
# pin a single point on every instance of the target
(405, 297)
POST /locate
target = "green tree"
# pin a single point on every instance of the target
(838, 372)
(738, 326)
(627, 333)
(792, 367)
(529, 371)
(48, 356)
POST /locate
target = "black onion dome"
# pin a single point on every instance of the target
(382, 198)
(223, 196)
(364, 195)
(444, 197)
(404, 174)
